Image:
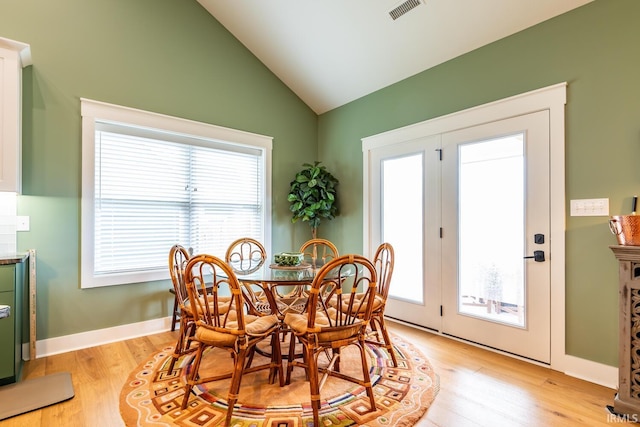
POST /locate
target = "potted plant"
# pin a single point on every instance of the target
(313, 196)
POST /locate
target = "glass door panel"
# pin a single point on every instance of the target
(402, 192)
(491, 229)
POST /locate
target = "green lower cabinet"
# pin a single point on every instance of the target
(12, 291)
(7, 337)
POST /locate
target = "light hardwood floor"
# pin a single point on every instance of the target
(477, 387)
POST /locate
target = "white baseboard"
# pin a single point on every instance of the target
(583, 369)
(57, 345)
(594, 372)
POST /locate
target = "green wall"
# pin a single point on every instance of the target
(165, 56)
(595, 49)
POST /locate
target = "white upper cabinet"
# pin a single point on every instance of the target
(13, 57)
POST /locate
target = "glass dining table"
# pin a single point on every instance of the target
(274, 289)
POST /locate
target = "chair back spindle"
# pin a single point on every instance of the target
(384, 259)
(245, 255)
(178, 258)
(318, 252)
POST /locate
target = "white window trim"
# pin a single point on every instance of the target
(96, 110)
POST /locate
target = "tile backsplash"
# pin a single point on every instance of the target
(8, 218)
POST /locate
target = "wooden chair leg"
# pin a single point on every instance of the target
(387, 341)
(374, 328)
(382, 339)
(336, 352)
(276, 361)
(187, 330)
(365, 374)
(193, 375)
(314, 387)
(252, 352)
(234, 388)
(174, 318)
(189, 334)
(292, 355)
(177, 351)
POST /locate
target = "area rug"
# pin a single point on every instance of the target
(152, 396)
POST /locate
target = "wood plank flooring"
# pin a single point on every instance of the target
(478, 387)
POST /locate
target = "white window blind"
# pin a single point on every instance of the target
(153, 188)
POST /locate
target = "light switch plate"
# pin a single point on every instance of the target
(22, 223)
(590, 207)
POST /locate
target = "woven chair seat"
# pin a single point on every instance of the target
(378, 303)
(223, 305)
(220, 337)
(325, 331)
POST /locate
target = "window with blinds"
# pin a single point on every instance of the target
(153, 187)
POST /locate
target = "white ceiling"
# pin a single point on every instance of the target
(331, 52)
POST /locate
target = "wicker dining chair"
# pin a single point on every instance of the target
(327, 330)
(184, 254)
(377, 333)
(384, 260)
(178, 258)
(208, 280)
(245, 256)
(318, 252)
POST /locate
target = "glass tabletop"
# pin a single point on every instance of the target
(271, 273)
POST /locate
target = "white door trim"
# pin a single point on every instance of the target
(551, 98)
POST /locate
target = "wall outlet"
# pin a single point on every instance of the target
(22, 223)
(590, 207)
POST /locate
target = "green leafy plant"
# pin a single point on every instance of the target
(313, 196)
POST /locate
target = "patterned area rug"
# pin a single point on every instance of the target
(152, 396)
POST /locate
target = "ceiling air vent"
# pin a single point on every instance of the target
(403, 8)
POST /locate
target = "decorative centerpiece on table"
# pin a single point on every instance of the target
(289, 265)
(288, 259)
(313, 196)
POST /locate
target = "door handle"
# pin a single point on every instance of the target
(538, 256)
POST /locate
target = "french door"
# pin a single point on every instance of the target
(468, 214)
(495, 246)
(405, 195)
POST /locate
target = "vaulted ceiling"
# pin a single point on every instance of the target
(331, 52)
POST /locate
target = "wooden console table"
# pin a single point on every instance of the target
(627, 400)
